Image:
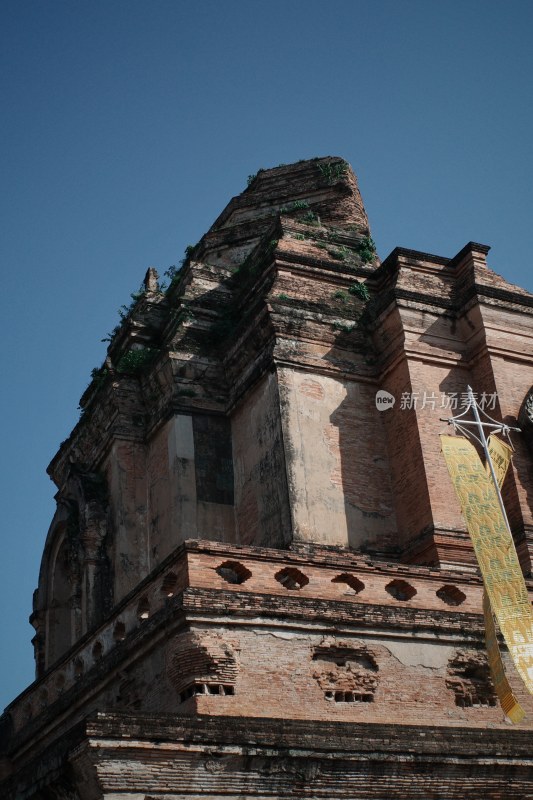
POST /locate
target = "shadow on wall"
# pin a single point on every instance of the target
(363, 474)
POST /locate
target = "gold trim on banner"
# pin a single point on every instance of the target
(494, 546)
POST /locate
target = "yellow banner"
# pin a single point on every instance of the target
(494, 547)
(500, 454)
(508, 701)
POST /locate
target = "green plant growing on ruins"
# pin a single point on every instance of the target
(98, 376)
(283, 296)
(333, 172)
(111, 334)
(296, 205)
(346, 252)
(133, 361)
(310, 218)
(366, 249)
(188, 253)
(341, 253)
(360, 290)
(124, 311)
(173, 274)
(340, 295)
(251, 178)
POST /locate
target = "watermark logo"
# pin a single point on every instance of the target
(384, 400)
(432, 401)
(450, 401)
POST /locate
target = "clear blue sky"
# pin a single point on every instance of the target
(127, 126)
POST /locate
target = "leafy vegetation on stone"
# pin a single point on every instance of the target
(310, 218)
(333, 172)
(296, 205)
(98, 376)
(189, 250)
(134, 360)
(367, 249)
(251, 178)
(340, 295)
(124, 311)
(172, 273)
(360, 290)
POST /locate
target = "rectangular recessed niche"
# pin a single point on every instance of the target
(350, 697)
(206, 688)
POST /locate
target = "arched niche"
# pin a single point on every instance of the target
(46, 621)
(60, 632)
(73, 590)
(525, 419)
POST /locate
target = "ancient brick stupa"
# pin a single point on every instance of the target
(258, 582)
